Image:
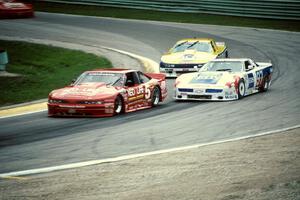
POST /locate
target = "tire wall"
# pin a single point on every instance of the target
(273, 9)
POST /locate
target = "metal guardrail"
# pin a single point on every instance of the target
(274, 9)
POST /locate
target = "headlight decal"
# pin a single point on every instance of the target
(213, 90)
(95, 102)
(56, 101)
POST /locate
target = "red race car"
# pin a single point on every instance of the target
(108, 92)
(15, 9)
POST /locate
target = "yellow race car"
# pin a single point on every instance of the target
(188, 55)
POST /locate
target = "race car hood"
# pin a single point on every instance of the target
(188, 56)
(205, 79)
(157, 76)
(86, 91)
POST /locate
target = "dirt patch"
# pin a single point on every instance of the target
(261, 168)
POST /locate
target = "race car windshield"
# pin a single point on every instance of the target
(232, 66)
(100, 77)
(198, 46)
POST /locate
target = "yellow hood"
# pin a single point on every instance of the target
(188, 56)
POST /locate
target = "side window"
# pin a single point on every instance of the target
(252, 63)
(247, 64)
(131, 79)
(120, 81)
(143, 78)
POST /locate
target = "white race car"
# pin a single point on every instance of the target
(224, 79)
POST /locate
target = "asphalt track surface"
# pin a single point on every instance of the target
(35, 141)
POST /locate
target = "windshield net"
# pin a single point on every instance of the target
(198, 46)
(232, 66)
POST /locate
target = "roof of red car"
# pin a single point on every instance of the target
(117, 70)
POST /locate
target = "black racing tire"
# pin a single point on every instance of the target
(155, 97)
(265, 85)
(241, 89)
(119, 105)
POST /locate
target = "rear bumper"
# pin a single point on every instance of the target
(63, 110)
(174, 70)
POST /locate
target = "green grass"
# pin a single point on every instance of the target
(44, 68)
(291, 25)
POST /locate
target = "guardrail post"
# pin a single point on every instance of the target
(3, 59)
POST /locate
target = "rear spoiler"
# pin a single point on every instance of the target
(157, 76)
(268, 61)
(220, 43)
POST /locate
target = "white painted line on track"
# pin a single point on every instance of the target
(122, 158)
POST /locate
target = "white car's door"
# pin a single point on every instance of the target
(251, 76)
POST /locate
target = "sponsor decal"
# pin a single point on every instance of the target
(135, 102)
(188, 56)
(199, 91)
(250, 80)
(206, 78)
(230, 97)
(148, 93)
(136, 93)
(131, 92)
(259, 78)
(140, 90)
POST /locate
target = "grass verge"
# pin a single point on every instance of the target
(197, 18)
(43, 68)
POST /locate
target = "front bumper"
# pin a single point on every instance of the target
(205, 94)
(174, 70)
(78, 110)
